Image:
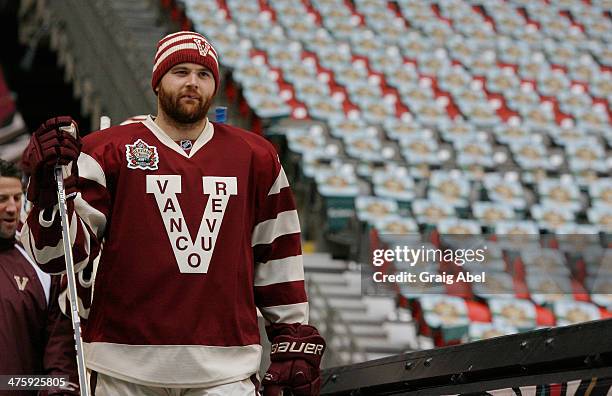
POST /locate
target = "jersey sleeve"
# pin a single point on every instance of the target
(279, 273)
(88, 211)
(85, 288)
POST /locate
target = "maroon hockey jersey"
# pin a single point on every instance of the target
(35, 338)
(192, 244)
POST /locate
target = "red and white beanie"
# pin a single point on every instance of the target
(183, 47)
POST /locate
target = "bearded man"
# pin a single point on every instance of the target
(200, 229)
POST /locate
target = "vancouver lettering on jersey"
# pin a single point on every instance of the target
(192, 257)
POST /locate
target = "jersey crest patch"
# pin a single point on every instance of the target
(141, 156)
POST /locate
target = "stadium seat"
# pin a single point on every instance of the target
(485, 117)
(483, 331)
(518, 313)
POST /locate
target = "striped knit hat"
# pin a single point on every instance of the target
(183, 47)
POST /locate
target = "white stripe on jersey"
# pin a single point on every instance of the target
(64, 305)
(291, 313)
(47, 253)
(87, 244)
(90, 169)
(530, 390)
(572, 387)
(267, 231)
(44, 222)
(287, 269)
(280, 183)
(133, 363)
(90, 215)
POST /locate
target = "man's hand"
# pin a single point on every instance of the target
(48, 147)
(296, 356)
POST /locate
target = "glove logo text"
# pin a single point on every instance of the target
(299, 347)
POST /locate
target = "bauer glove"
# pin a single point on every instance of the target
(50, 146)
(296, 356)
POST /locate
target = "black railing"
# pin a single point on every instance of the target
(578, 355)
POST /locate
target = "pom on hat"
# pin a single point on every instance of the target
(182, 47)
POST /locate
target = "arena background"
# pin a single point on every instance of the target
(399, 123)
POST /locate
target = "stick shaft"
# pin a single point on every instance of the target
(72, 290)
(105, 122)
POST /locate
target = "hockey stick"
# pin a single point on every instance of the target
(105, 122)
(72, 290)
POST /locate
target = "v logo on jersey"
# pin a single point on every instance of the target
(192, 257)
(22, 281)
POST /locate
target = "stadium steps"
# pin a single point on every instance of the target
(374, 356)
(99, 53)
(349, 304)
(341, 291)
(324, 278)
(354, 325)
(323, 263)
(360, 318)
(141, 21)
(374, 343)
(360, 330)
(143, 27)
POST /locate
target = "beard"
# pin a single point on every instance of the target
(7, 231)
(183, 113)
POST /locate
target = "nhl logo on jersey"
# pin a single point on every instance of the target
(186, 144)
(141, 156)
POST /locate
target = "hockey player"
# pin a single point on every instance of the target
(35, 338)
(199, 228)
